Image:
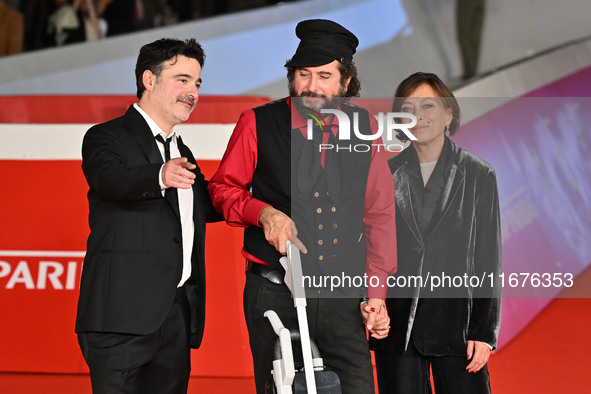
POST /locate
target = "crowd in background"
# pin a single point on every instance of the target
(27, 25)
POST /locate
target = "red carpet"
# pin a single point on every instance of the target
(552, 354)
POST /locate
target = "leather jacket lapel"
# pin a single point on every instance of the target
(404, 200)
(454, 179)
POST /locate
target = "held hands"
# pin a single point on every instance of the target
(479, 352)
(279, 228)
(375, 317)
(175, 173)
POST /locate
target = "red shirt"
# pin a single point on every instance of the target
(230, 194)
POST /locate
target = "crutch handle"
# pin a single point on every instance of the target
(275, 321)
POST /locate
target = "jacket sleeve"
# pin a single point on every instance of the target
(485, 318)
(211, 215)
(108, 173)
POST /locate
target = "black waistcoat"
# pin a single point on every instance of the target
(327, 206)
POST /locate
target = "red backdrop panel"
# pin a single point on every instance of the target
(39, 288)
(97, 109)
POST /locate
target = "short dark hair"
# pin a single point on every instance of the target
(346, 69)
(153, 55)
(406, 87)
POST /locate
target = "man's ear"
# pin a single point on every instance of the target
(149, 80)
(347, 83)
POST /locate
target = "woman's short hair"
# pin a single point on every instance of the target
(406, 87)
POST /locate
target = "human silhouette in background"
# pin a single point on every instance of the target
(122, 16)
(470, 17)
(74, 21)
(11, 30)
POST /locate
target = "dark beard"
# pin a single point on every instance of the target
(327, 103)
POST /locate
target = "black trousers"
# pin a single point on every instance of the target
(142, 364)
(335, 325)
(409, 374)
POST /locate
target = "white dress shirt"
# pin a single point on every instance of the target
(185, 196)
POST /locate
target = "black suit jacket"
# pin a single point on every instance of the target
(461, 237)
(134, 253)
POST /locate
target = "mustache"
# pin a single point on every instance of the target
(311, 94)
(187, 98)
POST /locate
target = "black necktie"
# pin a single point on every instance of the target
(166, 143)
(170, 193)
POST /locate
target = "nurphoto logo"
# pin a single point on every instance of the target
(387, 122)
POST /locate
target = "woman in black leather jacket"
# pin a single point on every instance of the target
(448, 237)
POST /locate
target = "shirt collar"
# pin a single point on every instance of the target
(156, 130)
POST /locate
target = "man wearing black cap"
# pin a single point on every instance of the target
(342, 204)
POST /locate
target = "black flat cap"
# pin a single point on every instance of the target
(321, 42)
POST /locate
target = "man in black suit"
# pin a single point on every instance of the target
(142, 293)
